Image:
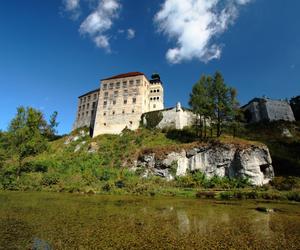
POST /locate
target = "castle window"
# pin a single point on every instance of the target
(104, 103)
(157, 98)
(157, 90)
(94, 105)
(82, 114)
(123, 112)
(104, 114)
(151, 91)
(154, 106)
(133, 100)
(130, 122)
(83, 107)
(111, 85)
(89, 98)
(125, 92)
(106, 94)
(78, 116)
(84, 99)
(131, 83)
(88, 106)
(87, 113)
(116, 93)
(79, 108)
(118, 85)
(151, 99)
(138, 82)
(125, 101)
(92, 112)
(105, 86)
(80, 100)
(113, 112)
(114, 102)
(125, 84)
(133, 111)
(95, 96)
(154, 91)
(104, 124)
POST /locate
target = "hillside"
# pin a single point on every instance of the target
(78, 163)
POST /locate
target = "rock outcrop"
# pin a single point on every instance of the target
(252, 162)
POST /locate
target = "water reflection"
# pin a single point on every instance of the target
(73, 222)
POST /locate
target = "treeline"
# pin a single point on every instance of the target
(28, 134)
(215, 105)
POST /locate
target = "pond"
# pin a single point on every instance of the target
(67, 221)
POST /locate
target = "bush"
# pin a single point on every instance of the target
(293, 196)
(284, 183)
(50, 179)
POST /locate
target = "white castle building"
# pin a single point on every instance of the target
(119, 103)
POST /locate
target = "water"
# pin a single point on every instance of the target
(68, 221)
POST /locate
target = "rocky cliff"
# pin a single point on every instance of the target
(252, 161)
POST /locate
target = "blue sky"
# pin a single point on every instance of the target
(51, 51)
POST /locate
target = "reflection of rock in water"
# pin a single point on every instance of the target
(211, 220)
(183, 222)
(39, 244)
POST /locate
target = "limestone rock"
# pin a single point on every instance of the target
(252, 162)
(286, 133)
(93, 147)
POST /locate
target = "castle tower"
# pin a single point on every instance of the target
(156, 93)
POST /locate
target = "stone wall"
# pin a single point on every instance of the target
(176, 117)
(264, 109)
(86, 110)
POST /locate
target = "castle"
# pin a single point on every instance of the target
(119, 103)
(123, 101)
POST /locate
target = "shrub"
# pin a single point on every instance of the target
(225, 195)
(152, 119)
(284, 183)
(50, 179)
(293, 196)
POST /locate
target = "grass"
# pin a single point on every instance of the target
(61, 169)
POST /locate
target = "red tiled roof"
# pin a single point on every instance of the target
(130, 74)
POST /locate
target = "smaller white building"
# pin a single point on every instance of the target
(176, 117)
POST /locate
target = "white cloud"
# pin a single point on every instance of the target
(102, 42)
(194, 25)
(130, 34)
(100, 21)
(72, 6)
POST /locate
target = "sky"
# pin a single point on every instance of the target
(52, 51)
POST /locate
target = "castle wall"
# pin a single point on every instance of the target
(263, 109)
(121, 103)
(86, 110)
(176, 117)
(279, 110)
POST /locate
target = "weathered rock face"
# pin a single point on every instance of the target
(253, 162)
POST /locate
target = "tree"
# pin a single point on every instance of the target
(212, 99)
(3, 148)
(224, 102)
(27, 133)
(295, 105)
(201, 103)
(52, 126)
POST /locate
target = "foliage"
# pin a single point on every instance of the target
(26, 132)
(211, 98)
(295, 105)
(152, 119)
